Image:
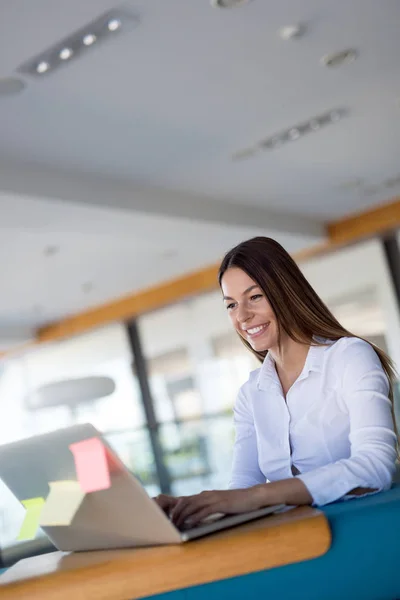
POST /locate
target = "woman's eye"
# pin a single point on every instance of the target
(256, 296)
(230, 306)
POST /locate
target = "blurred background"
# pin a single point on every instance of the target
(138, 143)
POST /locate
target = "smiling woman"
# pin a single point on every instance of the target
(261, 331)
(314, 423)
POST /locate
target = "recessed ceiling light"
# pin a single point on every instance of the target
(371, 190)
(246, 153)
(114, 24)
(51, 250)
(168, 254)
(351, 184)
(273, 142)
(228, 3)
(290, 32)
(337, 59)
(42, 67)
(69, 49)
(89, 39)
(66, 53)
(294, 133)
(315, 124)
(335, 116)
(87, 287)
(10, 86)
(392, 182)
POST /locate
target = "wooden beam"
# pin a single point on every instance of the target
(133, 305)
(370, 223)
(350, 230)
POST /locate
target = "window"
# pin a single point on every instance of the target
(52, 387)
(196, 365)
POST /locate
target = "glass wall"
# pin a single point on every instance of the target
(196, 365)
(58, 385)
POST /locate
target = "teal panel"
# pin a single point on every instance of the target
(363, 561)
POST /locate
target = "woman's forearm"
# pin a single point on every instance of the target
(287, 491)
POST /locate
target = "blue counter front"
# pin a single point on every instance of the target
(362, 563)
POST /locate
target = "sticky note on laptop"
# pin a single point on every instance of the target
(93, 464)
(62, 503)
(30, 524)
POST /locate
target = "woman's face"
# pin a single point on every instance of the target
(249, 310)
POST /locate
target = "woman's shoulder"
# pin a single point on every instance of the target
(251, 384)
(347, 350)
(349, 345)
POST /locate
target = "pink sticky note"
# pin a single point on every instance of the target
(93, 464)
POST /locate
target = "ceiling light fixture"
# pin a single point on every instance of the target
(87, 287)
(290, 32)
(42, 67)
(291, 134)
(294, 133)
(314, 124)
(66, 53)
(361, 186)
(335, 116)
(269, 143)
(351, 185)
(114, 24)
(275, 141)
(89, 39)
(228, 3)
(247, 152)
(69, 49)
(338, 59)
(51, 250)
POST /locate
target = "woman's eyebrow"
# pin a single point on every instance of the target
(249, 289)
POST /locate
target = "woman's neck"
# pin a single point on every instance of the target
(289, 358)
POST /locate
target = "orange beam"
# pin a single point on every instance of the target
(376, 221)
(133, 305)
(342, 232)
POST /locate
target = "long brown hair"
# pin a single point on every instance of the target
(299, 311)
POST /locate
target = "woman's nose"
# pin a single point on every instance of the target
(243, 314)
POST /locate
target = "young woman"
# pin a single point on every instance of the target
(314, 423)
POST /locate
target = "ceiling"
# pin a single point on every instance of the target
(121, 160)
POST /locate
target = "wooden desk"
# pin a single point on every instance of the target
(300, 534)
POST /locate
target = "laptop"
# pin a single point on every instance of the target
(122, 516)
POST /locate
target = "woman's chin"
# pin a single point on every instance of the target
(258, 345)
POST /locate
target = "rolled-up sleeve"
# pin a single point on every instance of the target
(245, 469)
(372, 437)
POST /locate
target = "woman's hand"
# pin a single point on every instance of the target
(166, 503)
(192, 509)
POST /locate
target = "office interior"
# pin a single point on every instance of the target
(128, 169)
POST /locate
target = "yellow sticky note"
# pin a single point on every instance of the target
(30, 524)
(62, 503)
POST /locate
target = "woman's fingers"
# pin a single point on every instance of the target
(189, 506)
(166, 503)
(183, 509)
(201, 514)
(196, 508)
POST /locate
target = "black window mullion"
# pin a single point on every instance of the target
(140, 369)
(392, 254)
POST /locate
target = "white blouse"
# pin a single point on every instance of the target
(335, 427)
